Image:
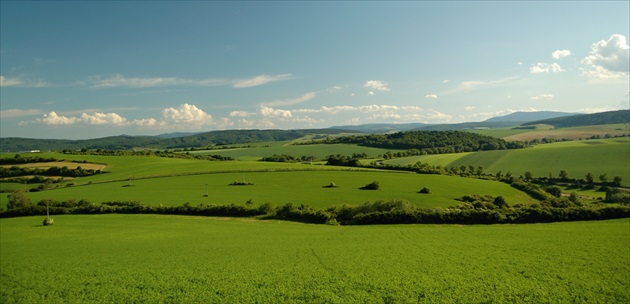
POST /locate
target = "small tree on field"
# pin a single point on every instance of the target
(555, 191)
(563, 174)
(589, 178)
(617, 181)
(424, 190)
(371, 186)
(603, 178)
(500, 202)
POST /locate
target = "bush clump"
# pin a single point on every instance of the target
(371, 186)
(425, 190)
(48, 221)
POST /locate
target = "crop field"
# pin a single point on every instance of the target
(177, 259)
(299, 187)
(572, 133)
(600, 156)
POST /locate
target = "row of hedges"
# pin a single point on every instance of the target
(379, 212)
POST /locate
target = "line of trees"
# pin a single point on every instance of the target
(472, 210)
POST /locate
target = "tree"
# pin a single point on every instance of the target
(603, 178)
(480, 170)
(555, 191)
(18, 200)
(563, 174)
(589, 178)
(528, 176)
(617, 181)
(425, 190)
(500, 202)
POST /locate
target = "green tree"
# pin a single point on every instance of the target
(18, 200)
(589, 178)
(555, 191)
(500, 202)
(528, 176)
(603, 178)
(617, 181)
(563, 174)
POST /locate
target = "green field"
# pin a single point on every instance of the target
(610, 156)
(277, 188)
(257, 151)
(177, 259)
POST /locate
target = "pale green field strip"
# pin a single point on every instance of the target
(279, 188)
(318, 151)
(176, 259)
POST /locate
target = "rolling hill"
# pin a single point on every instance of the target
(602, 118)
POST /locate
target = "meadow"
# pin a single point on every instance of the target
(182, 259)
(578, 158)
(297, 187)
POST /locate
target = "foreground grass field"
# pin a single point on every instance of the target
(176, 259)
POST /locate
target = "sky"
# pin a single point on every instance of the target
(76, 70)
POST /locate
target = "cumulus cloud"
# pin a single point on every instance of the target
(542, 97)
(557, 54)
(431, 96)
(288, 102)
(241, 114)
(376, 85)
(186, 114)
(136, 82)
(545, 68)
(608, 58)
(271, 112)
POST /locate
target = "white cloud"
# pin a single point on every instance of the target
(241, 114)
(371, 93)
(186, 114)
(271, 112)
(376, 85)
(545, 68)
(542, 97)
(446, 81)
(53, 119)
(103, 119)
(469, 108)
(135, 82)
(11, 113)
(557, 54)
(608, 58)
(288, 102)
(431, 96)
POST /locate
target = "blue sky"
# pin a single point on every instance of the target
(91, 69)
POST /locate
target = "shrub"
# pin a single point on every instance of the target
(425, 190)
(48, 221)
(371, 186)
(331, 185)
(237, 183)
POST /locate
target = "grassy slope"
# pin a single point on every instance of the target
(151, 258)
(608, 156)
(279, 188)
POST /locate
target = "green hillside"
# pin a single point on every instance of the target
(611, 117)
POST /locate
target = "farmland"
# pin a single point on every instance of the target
(151, 258)
(597, 156)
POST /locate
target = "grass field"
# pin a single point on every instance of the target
(257, 151)
(610, 156)
(177, 259)
(278, 188)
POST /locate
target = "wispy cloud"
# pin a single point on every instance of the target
(259, 80)
(19, 82)
(476, 84)
(12, 113)
(543, 97)
(431, 96)
(136, 82)
(288, 102)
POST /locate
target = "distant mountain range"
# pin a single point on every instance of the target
(230, 137)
